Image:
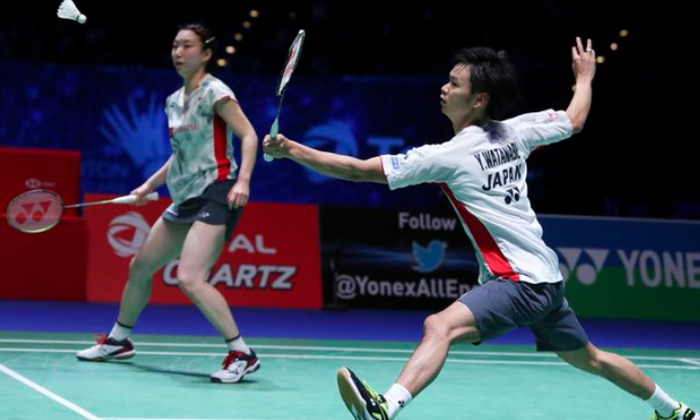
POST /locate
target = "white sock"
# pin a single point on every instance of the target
(120, 332)
(662, 403)
(397, 397)
(237, 344)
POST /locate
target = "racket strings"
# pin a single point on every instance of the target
(287, 70)
(34, 211)
(292, 60)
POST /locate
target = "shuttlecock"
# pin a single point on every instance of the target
(68, 10)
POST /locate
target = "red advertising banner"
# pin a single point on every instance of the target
(29, 169)
(44, 266)
(272, 259)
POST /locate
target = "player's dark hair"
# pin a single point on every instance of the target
(207, 38)
(493, 74)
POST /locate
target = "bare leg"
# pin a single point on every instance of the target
(199, 253)
(455, 323)
(162, 245)
(612, 367)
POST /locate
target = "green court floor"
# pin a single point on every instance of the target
(40, 379)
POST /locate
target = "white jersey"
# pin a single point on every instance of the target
(200, 139)
(483, 172)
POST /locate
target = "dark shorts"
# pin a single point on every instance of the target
(211, 208)
(502, 305)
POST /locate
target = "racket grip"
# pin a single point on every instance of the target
(131, 199)
(274, 130)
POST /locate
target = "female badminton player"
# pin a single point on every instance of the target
(208, 190)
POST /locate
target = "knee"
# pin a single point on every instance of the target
(135, 265)
(602, 363)
(434, 328)
(140, 272)
(188, 282)
(593, 362)
(594, 365)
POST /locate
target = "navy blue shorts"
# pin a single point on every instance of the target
(501, 305)
(211, 208)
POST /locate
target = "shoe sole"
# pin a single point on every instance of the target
(350, 393)
(248, 371)
(121, 356)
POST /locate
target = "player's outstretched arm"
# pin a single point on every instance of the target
(332, 164)
(584, 64)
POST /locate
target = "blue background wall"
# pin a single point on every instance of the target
(115, 118)
(91, 87)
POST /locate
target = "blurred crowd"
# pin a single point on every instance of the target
(344, 37)
(371, 38)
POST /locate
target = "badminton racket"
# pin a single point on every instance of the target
(37, 211)
(287, 70)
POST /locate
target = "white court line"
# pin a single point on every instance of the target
(691, 361)
(358, 358)
(164, 418)
(341, 349)
(11, 373)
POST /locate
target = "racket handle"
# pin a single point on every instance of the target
(274, 130)
(131, 199)
(152, 196)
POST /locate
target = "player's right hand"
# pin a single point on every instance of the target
(140, 194)
(276, 147)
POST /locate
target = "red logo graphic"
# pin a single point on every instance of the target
(31, 212)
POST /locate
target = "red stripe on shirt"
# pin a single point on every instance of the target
(223, 163)
(485, 243)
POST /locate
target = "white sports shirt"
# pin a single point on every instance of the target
(483, 172)
(200, 139)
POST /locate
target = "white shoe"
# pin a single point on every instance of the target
(107, 348)
(235, 366)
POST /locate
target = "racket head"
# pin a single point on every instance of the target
(35, 211)
(292, 60)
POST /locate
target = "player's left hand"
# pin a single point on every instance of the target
(583, 60)
(238, 196)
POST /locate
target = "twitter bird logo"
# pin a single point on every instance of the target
(429, 258)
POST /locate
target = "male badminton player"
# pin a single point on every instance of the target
(481, 169)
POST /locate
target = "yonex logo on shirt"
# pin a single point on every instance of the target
(394, 162)
(186, 128)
